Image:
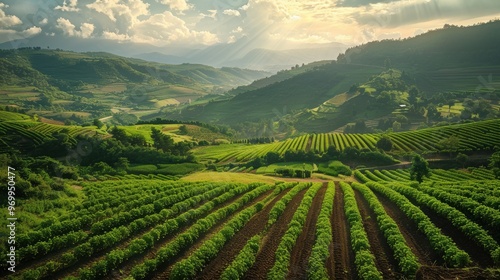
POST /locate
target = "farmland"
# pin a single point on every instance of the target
(380, 228)
(471, 137)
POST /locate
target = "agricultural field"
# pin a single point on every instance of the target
(152, 227)
(474, 136)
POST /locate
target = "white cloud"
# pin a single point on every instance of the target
(69, 29)
(115, 36)
(235, 13)
(71, 7)
(178, 5)
(7, 20)
(212, 14)
(7, 35)
(130, 10)
(237, 30)
(44, 21)
(165, 28)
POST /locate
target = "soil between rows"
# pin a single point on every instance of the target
(266, 256)
(164, 271)
(303, 246)
(340, 263)
(416, 240)
(231, 249)
(384, 257)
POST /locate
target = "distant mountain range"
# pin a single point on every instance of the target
(241, 54)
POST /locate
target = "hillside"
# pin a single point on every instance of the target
(452, 60)
(97, 83)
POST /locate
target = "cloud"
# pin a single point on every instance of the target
(44, 21)
(400, 13)
(129, 10)
(178, 5)
(235, 13)
(71, 7)
(7, 35)
(86, 29)
(115, 36)
(7, 20)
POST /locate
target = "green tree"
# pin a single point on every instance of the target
(385, 143)
(161, 141)
(183, 129)
(451, 144)
(122, 164)
(495, 164)
(462, 159)
(419, 168)
(98, 123)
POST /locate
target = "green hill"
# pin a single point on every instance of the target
(458, 60)
(55, 83)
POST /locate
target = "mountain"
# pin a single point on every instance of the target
(258, 58)
(243, 53)
(455, 60)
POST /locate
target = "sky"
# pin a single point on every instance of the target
(272, 24)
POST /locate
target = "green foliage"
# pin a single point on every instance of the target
(442, 244)
(320, 252)
(419, 168)
(334, 168)
(363, 258)
(495, 164)
(384, 143)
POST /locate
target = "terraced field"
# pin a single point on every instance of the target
(383, 228)
(471, 137)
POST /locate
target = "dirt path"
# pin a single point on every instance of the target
(416, 240)
(303, 246)
(256, 225)
(340, 263)
(163, 272)
(266, 256)
(384, 257)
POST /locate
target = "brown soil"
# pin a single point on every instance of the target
(257, 223)
(266, 256)
(164, 271)
(473, 273)
(415, 239)
(384, 257)
(340, 263)
(478, 255)
(303, 246)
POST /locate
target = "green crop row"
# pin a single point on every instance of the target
(441, 244)
(283, 253)
(407, 261)
(320, 251)
(457, 218)
(363, 258)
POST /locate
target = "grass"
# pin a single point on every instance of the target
(292, 165)
(165, 169)
(334, 168)
(212, 176)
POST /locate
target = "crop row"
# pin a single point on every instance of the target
(363, 258)
(440, 243)
(188, 237)
(320, 251)
(457, 218)
(407, 261)
(283, 253)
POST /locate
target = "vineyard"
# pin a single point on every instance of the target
(26, 133)
(382, 228)
(471, 137)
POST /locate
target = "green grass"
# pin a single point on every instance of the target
(292, 165)
(334, 168)
(165, 169)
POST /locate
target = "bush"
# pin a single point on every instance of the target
(334, 168)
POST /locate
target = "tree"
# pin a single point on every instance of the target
(450, 144)
(385, 143)
(396, 126)
(495, 164)
(161, 141)
(183, 129)
(419, 168)
(98, 123)
(462, 159)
